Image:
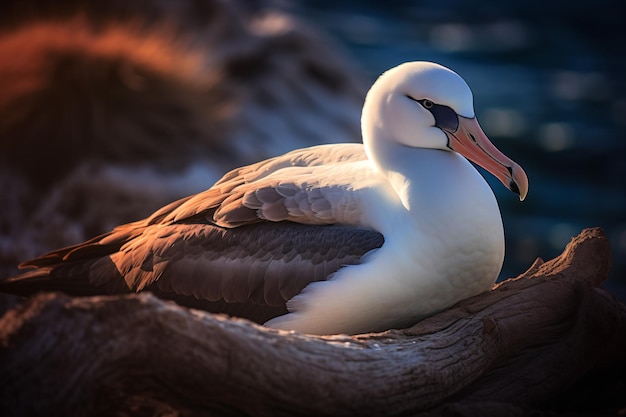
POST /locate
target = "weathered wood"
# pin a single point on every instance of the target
(514, 347)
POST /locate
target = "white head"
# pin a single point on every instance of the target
(426, 105)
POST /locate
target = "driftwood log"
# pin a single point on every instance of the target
(520, 347)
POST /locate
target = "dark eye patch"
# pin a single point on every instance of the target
(445, 117)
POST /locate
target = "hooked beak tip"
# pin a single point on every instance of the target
(513, 187)
(519, 182)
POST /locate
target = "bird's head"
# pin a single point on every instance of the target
(426, 105)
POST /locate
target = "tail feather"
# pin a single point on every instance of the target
(96, 276)
(82, 269)
(39, 280)
(97, 247)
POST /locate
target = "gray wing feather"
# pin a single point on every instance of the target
(242, 194)
(266, 263)
(249, 271)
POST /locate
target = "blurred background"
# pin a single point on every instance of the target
(108, 111)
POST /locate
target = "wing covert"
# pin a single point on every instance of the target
(302, 186)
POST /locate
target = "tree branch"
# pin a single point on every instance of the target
(529, 338)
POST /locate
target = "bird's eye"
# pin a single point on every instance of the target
(427, 103)
(445, 117)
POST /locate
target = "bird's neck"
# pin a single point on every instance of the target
(430, 180)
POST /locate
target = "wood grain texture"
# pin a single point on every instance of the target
(498, 353)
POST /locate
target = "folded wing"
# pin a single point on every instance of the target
(244, 247)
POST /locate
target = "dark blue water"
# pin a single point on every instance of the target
(549, 90)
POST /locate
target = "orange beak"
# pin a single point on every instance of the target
(470, 141)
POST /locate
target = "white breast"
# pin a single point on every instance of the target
(444, 242)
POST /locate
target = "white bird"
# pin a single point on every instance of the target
(343, 238)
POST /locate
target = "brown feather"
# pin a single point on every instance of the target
(251, 270)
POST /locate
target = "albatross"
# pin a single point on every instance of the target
(340, 238)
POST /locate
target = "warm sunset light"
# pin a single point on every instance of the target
(314, 208)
